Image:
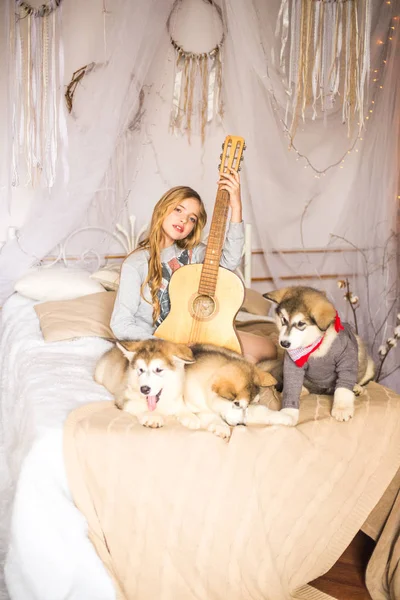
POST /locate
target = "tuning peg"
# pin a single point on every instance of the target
(219, 167)
(223, 146)
(244, 146)
(221, 155)
(239, 168)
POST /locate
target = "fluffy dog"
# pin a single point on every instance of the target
(221, 388)
(146, 378)
(322, 354)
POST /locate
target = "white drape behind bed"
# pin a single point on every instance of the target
(330, 192)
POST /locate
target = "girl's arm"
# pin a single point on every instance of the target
(234, 242)
(132, 316)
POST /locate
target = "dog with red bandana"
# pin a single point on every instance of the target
(322, 354)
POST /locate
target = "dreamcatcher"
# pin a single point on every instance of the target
(38, 120)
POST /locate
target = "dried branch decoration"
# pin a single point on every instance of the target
(42, 11)
(77, 76)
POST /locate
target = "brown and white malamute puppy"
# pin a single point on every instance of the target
(146, 378)
(322, 354)
(222, 388)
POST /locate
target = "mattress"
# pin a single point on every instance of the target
(40, 384)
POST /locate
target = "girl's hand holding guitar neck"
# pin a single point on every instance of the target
(230, 181)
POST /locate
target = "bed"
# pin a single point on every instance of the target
(226, 515)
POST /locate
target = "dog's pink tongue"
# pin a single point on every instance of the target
(151, 402)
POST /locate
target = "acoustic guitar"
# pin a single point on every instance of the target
(205, 298)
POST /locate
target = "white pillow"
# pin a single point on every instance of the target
(108, 277)
(57, 283)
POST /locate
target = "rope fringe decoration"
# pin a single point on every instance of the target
(197, 86)
(36, 76)
(325, 54)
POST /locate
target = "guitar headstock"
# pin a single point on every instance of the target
(232, 153)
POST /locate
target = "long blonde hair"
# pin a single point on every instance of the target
(153, 241)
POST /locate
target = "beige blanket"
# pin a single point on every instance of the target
(182, 515)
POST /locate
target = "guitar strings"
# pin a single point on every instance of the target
(209, 273)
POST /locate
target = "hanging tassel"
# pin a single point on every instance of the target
(196, 98)
(38, 116)
(327, 46)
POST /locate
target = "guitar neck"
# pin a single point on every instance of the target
(209, 275)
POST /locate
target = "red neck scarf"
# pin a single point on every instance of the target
(301, 355)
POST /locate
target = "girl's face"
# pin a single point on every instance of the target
(179, 223)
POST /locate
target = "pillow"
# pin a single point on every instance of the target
(108, 278)
(88, 316)
(56, 284)
(255, 303)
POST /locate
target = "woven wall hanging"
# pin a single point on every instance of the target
(197, 83)
(324, 50)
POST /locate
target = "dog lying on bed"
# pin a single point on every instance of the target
(221, 388)
(204, 386)
(146, 379)
(322, 355)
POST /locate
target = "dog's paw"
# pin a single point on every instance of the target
(189, 420)
(343, 404)
(358, 389)
(289, 416)
(220, 429)
(150, 420)
(261, 415)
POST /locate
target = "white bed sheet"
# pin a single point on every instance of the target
(49, 555)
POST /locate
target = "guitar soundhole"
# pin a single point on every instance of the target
(203, 307)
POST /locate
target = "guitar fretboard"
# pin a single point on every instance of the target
(209, 274)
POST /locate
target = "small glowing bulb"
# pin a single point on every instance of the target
(379, 42)
(367, 118)
(361, 139)
(373, 102)
(390, 38)
(384, 62)
(381, 87)
(370, 111)
(356, 149)
(375, 80)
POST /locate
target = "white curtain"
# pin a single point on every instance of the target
(325, 210)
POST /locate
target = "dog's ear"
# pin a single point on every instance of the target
(276, 295)
(128, 348)
(224, 388)
(323, 313)
(182, 353)
(263, 378)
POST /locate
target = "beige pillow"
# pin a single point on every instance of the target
(109, 278)
(88, 316)
(255, 303)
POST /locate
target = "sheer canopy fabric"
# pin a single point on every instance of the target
(324, 210)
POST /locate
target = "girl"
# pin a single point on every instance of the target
(179, 217)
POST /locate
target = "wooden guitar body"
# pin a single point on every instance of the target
(200, 318)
